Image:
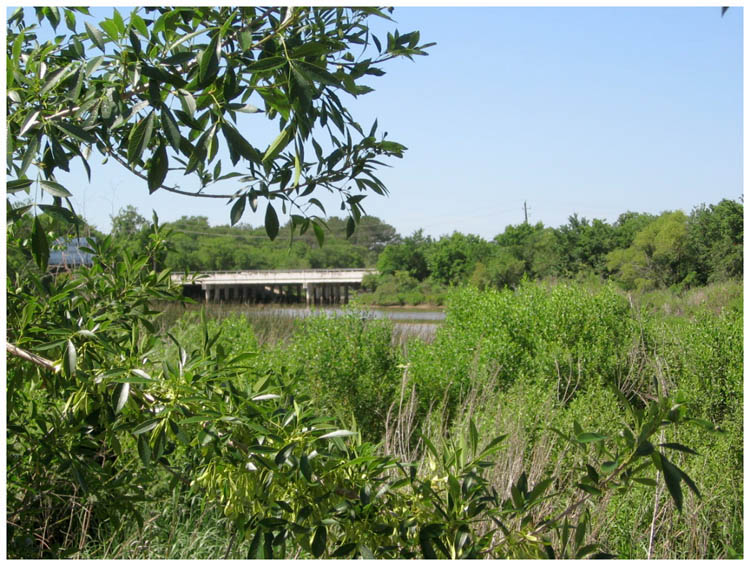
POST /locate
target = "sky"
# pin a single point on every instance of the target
(594, 111)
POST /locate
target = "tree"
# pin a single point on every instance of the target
(658, 255)
(408, 255)
(130, 229)
(160, 90)
(535, 247)
(128, 223)
(451, 259)
(715, 240)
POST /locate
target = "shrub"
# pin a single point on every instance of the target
(347, 365)
(563, 333)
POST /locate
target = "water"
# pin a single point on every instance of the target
(397, 315)
(421, 323)
(407, 322)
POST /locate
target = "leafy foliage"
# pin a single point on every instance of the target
(159, 90)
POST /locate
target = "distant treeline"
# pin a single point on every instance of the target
(639, 251)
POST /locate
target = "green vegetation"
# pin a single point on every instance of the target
(639, 252)
(547, 402)
(544, 420)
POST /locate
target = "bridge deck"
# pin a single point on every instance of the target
(313, 286)
(275, 277)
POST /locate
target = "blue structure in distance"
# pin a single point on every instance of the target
(70, 256)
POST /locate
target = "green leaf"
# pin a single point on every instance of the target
(144, 450)
(95, 35)
(17, 185)
(55, 79)
(39, 244)
(680, 447)
(93, 65)
(337, 433)
(70, 20)
(188, 102)
(238, 146)
(284, 453)
(140, 136)
(123, 391)
(265, 64)
(473, 437)
(305, 468)
(589, 488)
(672, 478)
(281, 141)
(539, 490)
(690, 483)
(146, 426)
(135, 42)
(644, 448)
(586, 550)
(237, 209)
(319, 541)
(272, 222)
(366, 552)
(297, 170)
(29, 122)
(209, 62)
(246, 108)
(344, 550)
(319, 233)
(142, 374)
(158, 169)
(592, 473)
(580, 531)
(137, 22)
(577, 428)
(80, 480)
(493, 446)
(110, 28)
(586, 437)
(55, 189)
(170, 127)
(71, 359)
(119, 23)
(75, 131)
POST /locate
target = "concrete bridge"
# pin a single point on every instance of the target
(311, 286)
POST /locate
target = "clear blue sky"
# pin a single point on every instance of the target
(589, 110)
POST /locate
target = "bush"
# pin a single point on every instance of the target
(347, 366)
(563, 334)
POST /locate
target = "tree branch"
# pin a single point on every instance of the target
(30, 357)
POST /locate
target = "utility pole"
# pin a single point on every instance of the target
(525, 214)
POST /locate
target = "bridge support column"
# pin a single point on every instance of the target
(346, 294)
